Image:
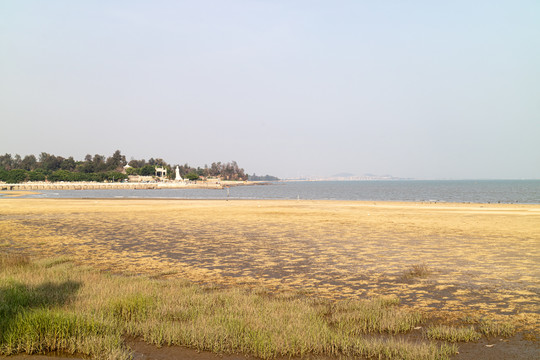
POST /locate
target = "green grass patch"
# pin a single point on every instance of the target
(136, 308)
(452, 334)
(54, 305)
(43, 330)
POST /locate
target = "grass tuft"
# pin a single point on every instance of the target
(417, 271)
(43, 330)
(452, 334)
(379, 315)
(492, 328)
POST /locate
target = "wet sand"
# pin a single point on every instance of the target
(482, 259)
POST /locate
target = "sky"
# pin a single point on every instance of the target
(415, 89)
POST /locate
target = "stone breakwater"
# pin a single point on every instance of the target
(103, 186)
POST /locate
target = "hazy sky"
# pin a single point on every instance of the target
(423, 89)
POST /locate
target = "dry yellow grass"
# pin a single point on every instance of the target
(482, 258)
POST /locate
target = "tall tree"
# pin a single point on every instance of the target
(49, 161)
(6, 162)
(99, 163)
(116, 161)
(29, 162)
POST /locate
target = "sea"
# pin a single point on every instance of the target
(459, 191)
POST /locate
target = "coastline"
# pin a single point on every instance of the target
(125, 185)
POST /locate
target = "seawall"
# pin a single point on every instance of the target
(102, 186)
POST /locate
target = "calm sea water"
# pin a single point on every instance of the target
(482, 191)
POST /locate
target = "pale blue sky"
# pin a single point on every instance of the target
(422, 89)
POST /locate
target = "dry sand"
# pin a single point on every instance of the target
(484, 259)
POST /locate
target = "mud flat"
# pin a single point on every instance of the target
(452, 260)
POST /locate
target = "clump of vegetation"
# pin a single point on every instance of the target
(492, 328)
(380, 315)
(452, 334)
(43, 330)
(417, 271)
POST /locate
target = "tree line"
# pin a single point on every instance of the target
(48, 167)
(256, 177)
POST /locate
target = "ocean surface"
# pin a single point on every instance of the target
(461, 191)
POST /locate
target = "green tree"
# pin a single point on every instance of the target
(132, 171)
(192, 176)
(36, 175)
(116, 161)
(17, 176)
(60, 175)
(99, 163)
(68, 164)
(49, 161)
(147, 170)
(29, 163)
(6, 162)
(4, 175)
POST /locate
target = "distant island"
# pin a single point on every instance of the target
(115, 168)
(348, 177)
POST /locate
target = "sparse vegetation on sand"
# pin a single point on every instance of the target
(51, 305)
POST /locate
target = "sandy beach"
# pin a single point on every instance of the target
(480, 258)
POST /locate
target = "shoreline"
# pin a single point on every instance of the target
(125, 186)
(389, 203)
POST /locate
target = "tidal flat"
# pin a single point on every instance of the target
(458, 263)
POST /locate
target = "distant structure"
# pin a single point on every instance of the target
(178, 177)
(161, 173)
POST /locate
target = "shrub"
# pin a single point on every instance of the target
(417, 270)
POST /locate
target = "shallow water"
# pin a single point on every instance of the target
(461, 191)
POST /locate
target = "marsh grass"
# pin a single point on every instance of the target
(44, 330)
(54, 305)
(380, 315)
(13, 261)
(491, 328)
(452, 334)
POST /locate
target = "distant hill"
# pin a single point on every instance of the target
(351, 177)
(343, 175)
